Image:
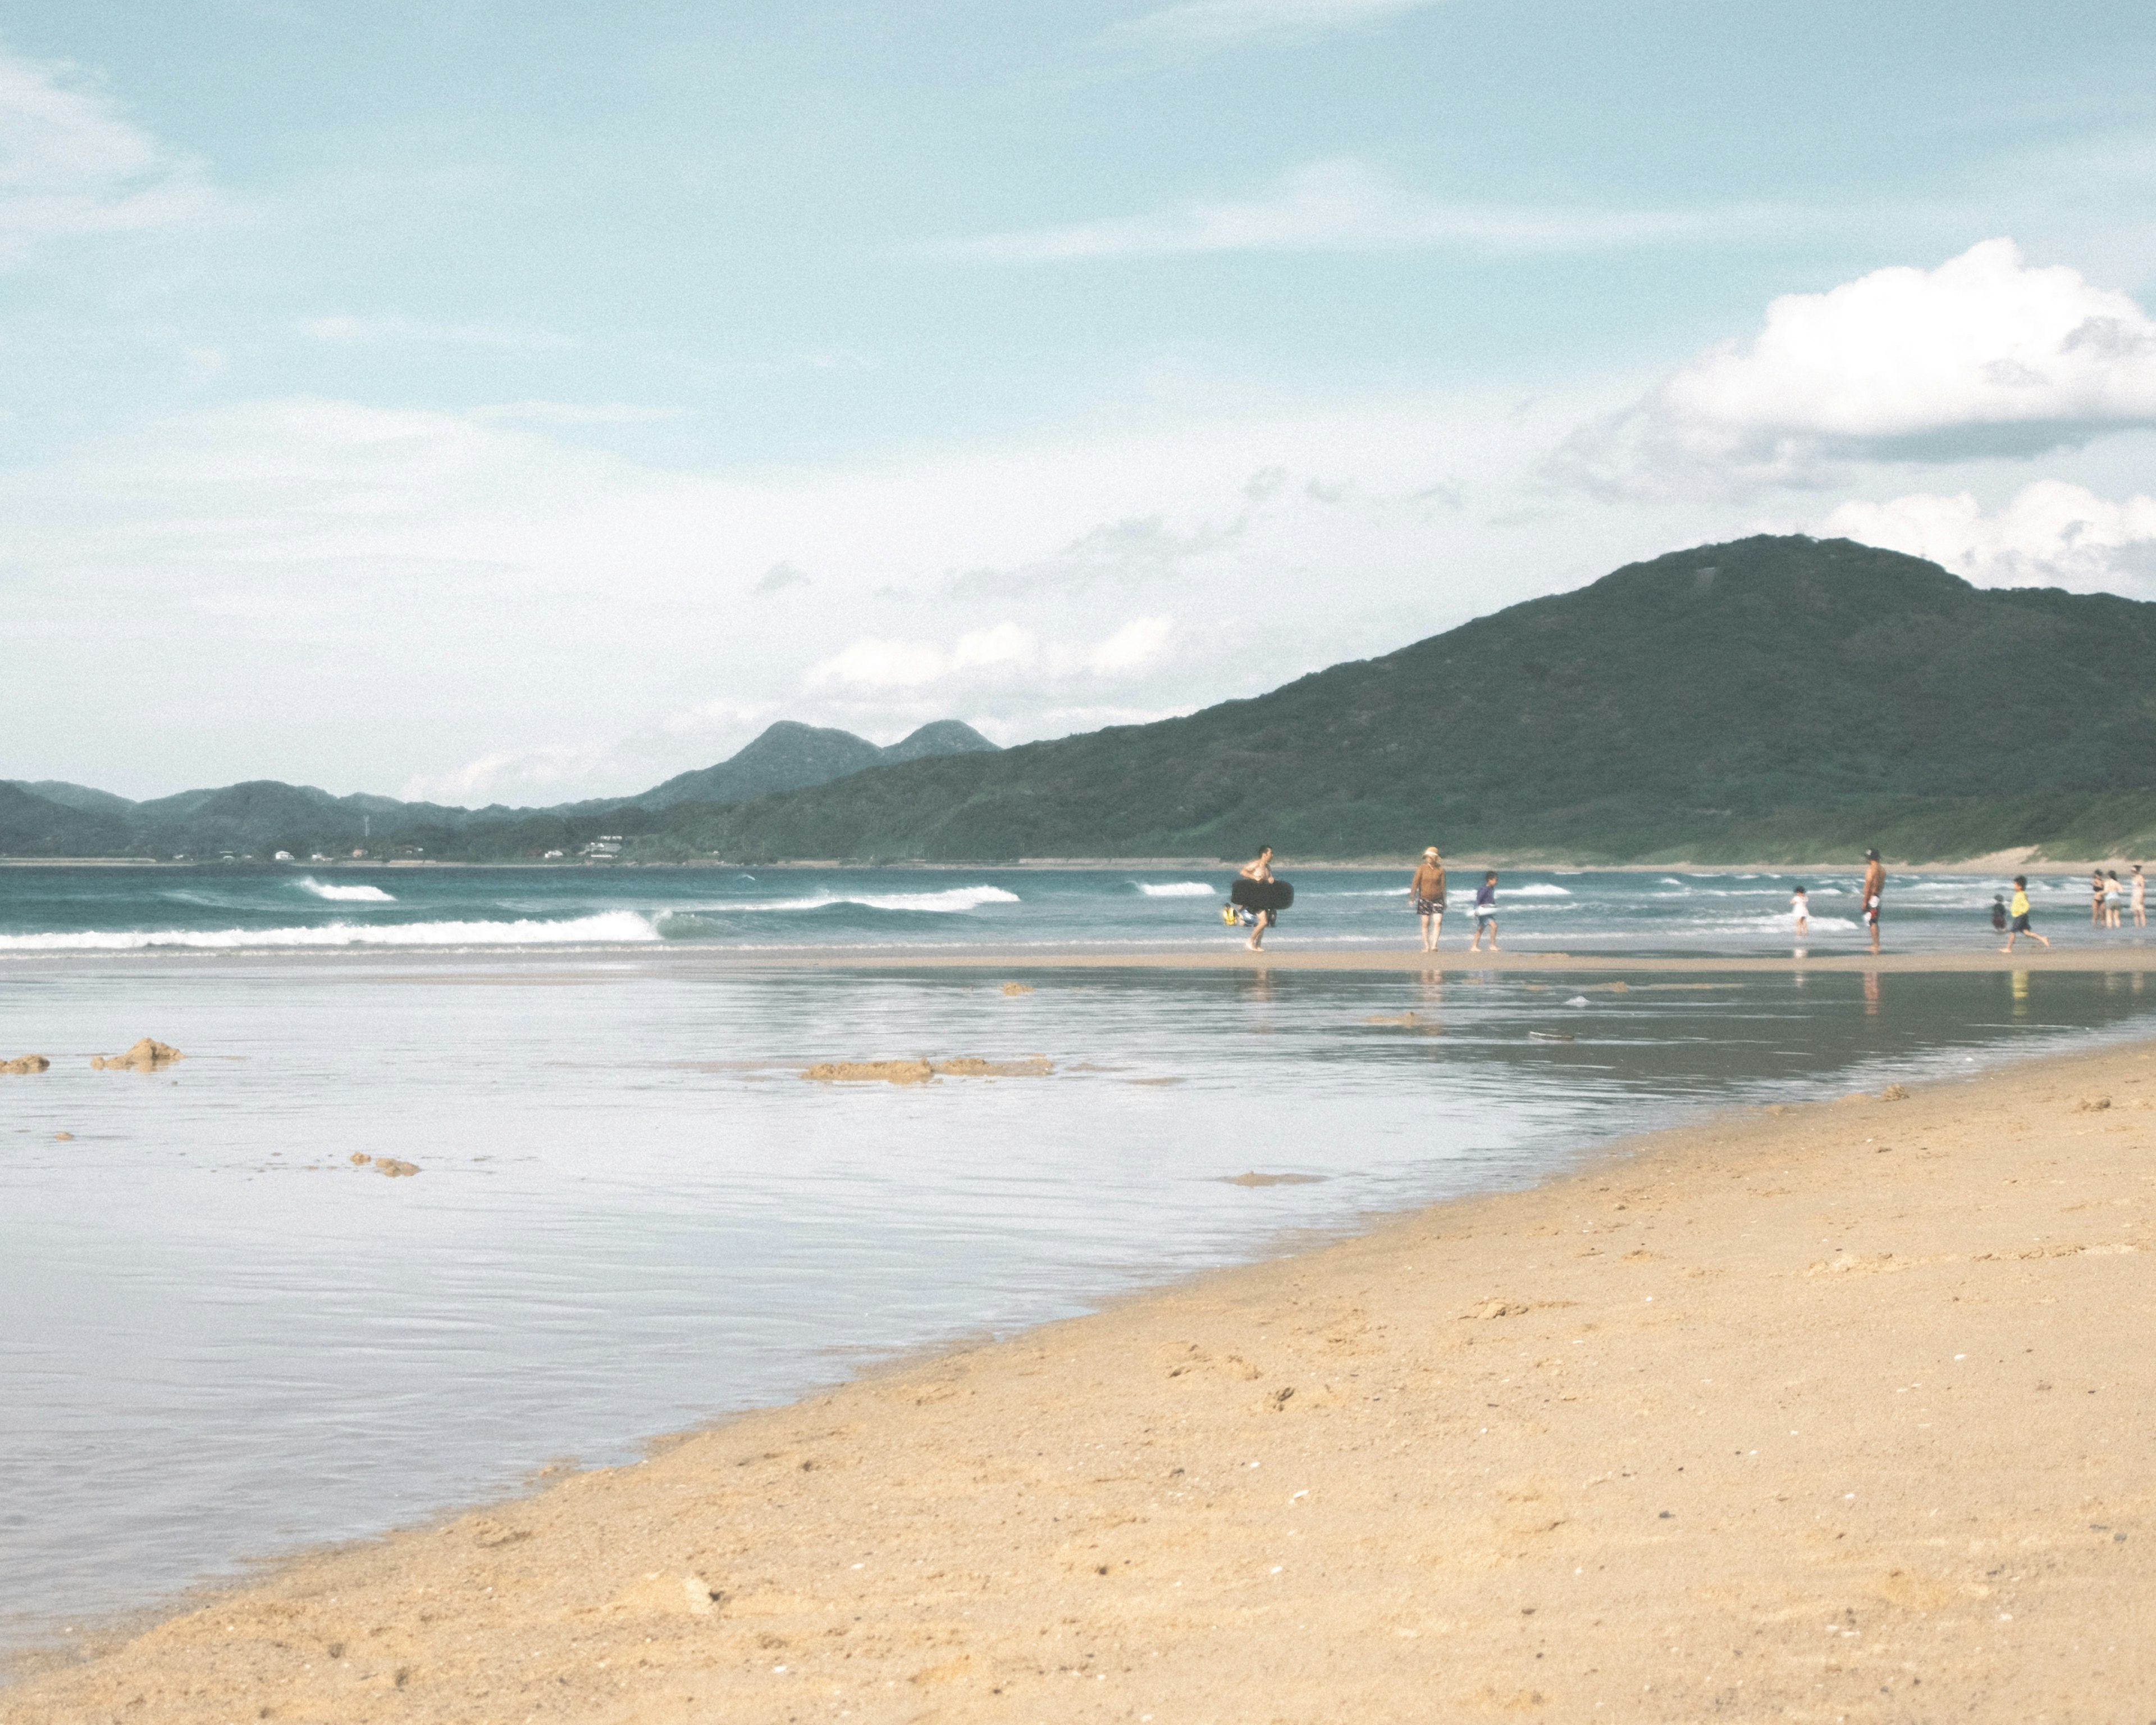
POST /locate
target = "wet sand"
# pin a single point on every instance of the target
(1835, 1412)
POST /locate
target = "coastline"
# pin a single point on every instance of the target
(1761, 1416)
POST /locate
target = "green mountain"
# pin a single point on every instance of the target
(1761, 698)
(261, 817)
(789, 757)
(37, 826)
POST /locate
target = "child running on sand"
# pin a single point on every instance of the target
(2020, 910)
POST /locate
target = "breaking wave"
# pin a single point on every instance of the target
(1177, 889)
(613, 928)
(954, 898)
(355, 895)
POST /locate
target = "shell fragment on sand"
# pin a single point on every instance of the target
(146, 1055)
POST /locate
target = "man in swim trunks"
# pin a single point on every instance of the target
(1260, 868)
(1428, 892)
(2020, 909)
(1875, 886)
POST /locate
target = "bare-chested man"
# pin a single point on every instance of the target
(1260, 868)
(1875, 888)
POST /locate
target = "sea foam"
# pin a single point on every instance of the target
(1177, 889)
(355, 895)
(611, 927)
(954, 898)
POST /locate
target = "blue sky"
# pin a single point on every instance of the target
(531, 401)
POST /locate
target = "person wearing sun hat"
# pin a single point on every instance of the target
(1428, 892)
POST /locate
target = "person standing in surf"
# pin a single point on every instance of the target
(1427, 891)
(1875, 889)
(1260, 868)
(1485, 912)
(2140, 898)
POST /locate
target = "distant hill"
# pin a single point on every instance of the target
(1776, 692)
(261, 817)
(37, 826)
(73, 796)
(789, 756)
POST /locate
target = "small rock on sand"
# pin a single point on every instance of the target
(1257, 1179)
(1498, 1308)
(391, 1166)
(146, 1055)
(1895, 1093)
(360, 1158)
(1018, 987)
(63, 1137)
(26, 1064)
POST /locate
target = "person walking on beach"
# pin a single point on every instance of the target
(2020, 910)
(1485, 912)
(1800, 909)
(1427, 891)
(1260, 868)
(2140, 898)
(1999, 913)
(1875, 888)
(2112, 891)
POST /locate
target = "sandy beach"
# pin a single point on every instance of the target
(1828, 1412)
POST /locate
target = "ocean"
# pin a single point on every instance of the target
(230, 1338)
(747, 910)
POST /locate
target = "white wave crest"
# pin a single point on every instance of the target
(951, 899)
(1537, 889)
(1178, 888)
(356, 895)
(611, 927)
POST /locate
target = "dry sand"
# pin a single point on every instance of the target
(1836, 1412)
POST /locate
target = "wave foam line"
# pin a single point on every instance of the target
(1177, 889)
(356, 895)
(613, 926)
(955, 898)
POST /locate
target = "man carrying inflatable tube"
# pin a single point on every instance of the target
(1258, 893)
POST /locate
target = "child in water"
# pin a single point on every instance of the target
(1800, 908)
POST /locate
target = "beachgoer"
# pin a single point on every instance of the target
(1800, 908)
(1875, 888)
(1260, 868)
(2020, 909)
(2140, 898)
(1999, 913)
(2095, 900)
(2112, 893)
(1427, 891)
(1485, 912)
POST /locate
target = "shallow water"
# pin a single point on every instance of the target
(226, 1340)
(51, 909)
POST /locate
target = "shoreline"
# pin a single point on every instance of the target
(2001, 863)
(2135, 959)
(1272, 1489)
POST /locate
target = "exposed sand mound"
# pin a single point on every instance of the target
(1258, 1180)
(921, 1072)
(26, 1063)
(146, 1055)
(1018, 987)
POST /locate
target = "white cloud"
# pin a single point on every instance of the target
(1338, 205)
(569, 413)
(1986, 355)
(355, 331)
(1133, 647)
(1217, 21)
(520, 777)
(70, 165)
(1002, 649)
(2052, 534)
